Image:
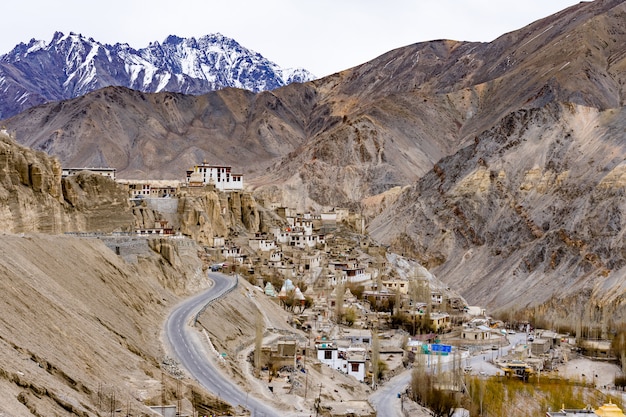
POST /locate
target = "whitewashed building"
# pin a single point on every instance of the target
(151, 188)
(397, 285)
(476, 333)
(282, 236)
(351, 271)
(312, 261)
(233, 254)
(303, 223)
(301, 240)
(351, 361)
(436, 297)
(356, 360)
(218, 175)
(328, 354)
(219, 241)
(262, 244)
(276, 259)
(105, 172)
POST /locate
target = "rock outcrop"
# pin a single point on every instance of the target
(34, 197)
(205, 213)
(526, 216)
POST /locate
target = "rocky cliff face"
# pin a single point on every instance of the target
(525, 215)
(36, 199)
(206, 214)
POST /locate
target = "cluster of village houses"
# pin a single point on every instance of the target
(300, 251)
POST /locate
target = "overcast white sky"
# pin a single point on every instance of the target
(323, 36)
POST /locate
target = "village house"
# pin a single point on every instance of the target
(328, 354)
(262, 243)
(160, 228)
(233, 254)
(351, 270)
(275, 259)
(396, 285)
(358, 336)
(284, 354)
(356, 360)
(351, 361)
(475, 333)
(436, 297)
(342, 214)
(414, 345)
(151, 188)
(476, 311)
(218, 175)
(138, 189)
(378, 296)
(105, 172)
(331, 280)
(312, 261)
(302, 223)
(219, 241)
(281, 235)
(285, 212)
(540, 346)
(439, 321)
(300, 240)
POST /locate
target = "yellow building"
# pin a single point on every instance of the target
(609, 410)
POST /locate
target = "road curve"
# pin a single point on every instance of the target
(189, 351)
(385, 399)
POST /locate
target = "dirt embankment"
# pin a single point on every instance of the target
(80, 326)
(230, 324)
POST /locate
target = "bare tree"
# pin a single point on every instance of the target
(375, 357)
(339, 293)
(258, 344)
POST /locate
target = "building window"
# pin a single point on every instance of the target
(355, 367)
(328, 354)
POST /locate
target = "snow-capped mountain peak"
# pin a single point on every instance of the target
(71, 65)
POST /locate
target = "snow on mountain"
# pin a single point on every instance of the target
(72, 65)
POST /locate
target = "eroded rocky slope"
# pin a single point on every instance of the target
(525, 215)
(81, 317)
(34, 198)
(504, 151)
(80, 327)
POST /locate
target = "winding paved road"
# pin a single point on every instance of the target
(190, 352)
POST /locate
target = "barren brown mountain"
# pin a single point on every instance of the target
(498, 165)
(81, 314)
